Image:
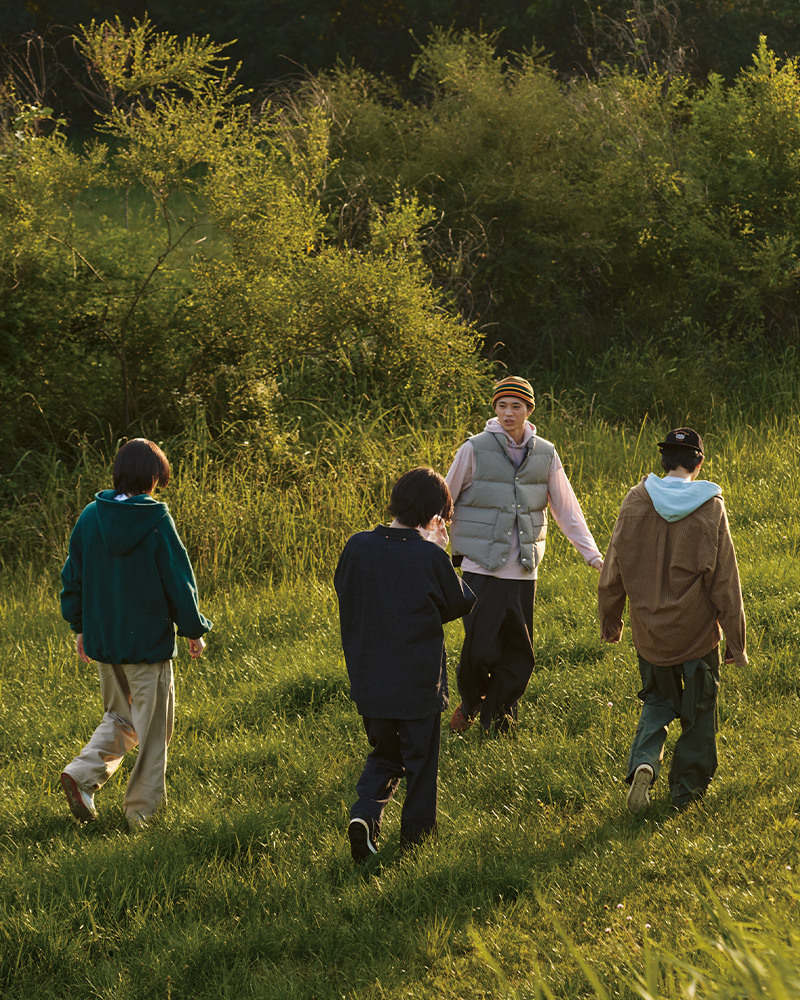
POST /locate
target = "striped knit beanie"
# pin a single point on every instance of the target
(519, 388)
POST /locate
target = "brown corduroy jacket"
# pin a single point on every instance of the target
(681, 580)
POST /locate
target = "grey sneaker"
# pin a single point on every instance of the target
(81, 803)
(362, 839)
(639, 795)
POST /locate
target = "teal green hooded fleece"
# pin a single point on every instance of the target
(128, 582)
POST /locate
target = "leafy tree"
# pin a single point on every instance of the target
(570, 217)
(42, 316)
(108, 273)
(187, 266)
(540, 190)
(742, 219)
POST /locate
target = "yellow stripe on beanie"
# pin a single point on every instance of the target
(519, 388)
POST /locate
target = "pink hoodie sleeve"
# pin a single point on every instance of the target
(460, 474)
(567, 512)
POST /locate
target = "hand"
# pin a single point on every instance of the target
(79, 648)
(598, 565)
(612, 637)
(436, 531)
(196, 647)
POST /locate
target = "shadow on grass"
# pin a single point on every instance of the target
(254, 707)
(39, 829)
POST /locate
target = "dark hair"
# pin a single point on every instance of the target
(139, 467)
(687, 458)
(420, 495)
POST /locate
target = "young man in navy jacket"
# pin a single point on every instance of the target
(396, 588)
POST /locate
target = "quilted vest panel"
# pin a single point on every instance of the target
(503, 499)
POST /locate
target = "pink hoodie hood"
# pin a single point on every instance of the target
(494, 426)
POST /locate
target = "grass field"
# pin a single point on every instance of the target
(540, 885)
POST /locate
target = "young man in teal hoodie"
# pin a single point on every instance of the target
(127, 586)
(672, 556)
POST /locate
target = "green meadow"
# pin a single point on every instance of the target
(305, 290)
(540, 883)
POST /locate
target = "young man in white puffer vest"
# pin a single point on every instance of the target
(503, 481)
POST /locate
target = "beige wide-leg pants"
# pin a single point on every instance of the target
(139, 704)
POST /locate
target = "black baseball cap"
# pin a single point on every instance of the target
(683, 437)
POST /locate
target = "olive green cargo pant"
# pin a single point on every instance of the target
(686, 691)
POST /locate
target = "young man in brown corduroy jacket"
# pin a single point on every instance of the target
(672, 556)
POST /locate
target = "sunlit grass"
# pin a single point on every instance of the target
(245, 886)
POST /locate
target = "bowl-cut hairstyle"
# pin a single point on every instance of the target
(419, 495)
(139, 467)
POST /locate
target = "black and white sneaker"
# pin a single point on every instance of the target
(639, 795)
(362, 839)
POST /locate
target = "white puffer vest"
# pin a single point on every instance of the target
(503, 499)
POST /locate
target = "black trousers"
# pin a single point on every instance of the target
(497, 656)
(402, 748)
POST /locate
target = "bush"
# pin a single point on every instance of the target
(188, 268)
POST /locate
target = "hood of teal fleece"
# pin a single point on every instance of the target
(124, 523)
(675, 498)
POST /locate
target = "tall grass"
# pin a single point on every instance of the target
(540, 884)
(247, 513)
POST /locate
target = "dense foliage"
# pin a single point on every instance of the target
(210, 266)
(571, 217)
(178, 264)
(280, 38)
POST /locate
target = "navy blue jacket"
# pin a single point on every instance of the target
(396, 590)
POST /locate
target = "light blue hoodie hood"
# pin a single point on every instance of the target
(675, 498)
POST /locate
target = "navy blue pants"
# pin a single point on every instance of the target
(689, 692)
(402, 748)
(497, 656)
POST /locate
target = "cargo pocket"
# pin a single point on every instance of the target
(701, 685)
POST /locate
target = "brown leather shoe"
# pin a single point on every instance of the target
(460, 721)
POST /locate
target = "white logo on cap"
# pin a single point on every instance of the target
(680, 437)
